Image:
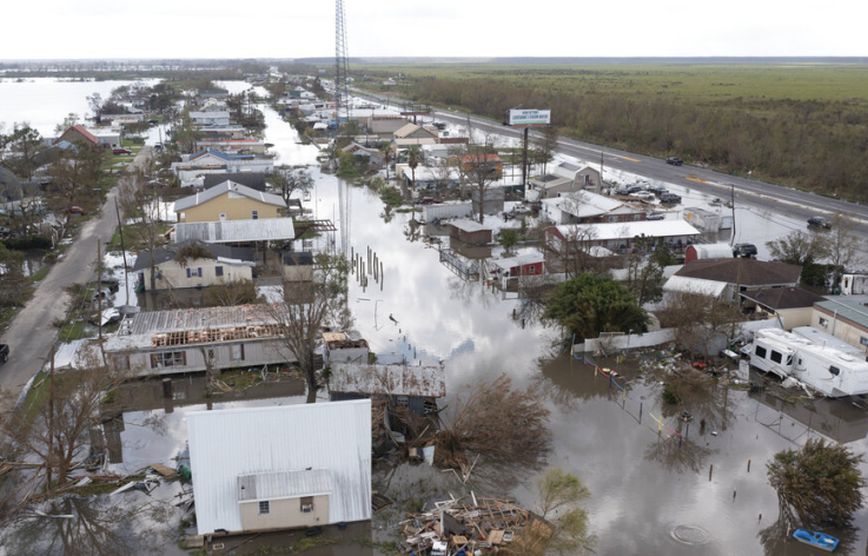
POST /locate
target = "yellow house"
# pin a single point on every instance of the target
(229, 201)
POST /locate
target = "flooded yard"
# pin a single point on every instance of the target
(659, 485)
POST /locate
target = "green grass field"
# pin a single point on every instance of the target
(799, 124)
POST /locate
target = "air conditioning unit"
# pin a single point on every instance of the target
(307, 508)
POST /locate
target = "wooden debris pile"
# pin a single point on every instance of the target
(453, 528)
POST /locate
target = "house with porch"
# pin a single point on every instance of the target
(586, 207)
(209, 118)
(279, 467)
(153, 343)
(229, 201)
(583, 176)
(192, 264)
(619, 237)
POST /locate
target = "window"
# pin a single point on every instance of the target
(189, 272)
(218, 270)
(776, 356)
(264, 507)
(824, 322)
(834, 370)
(236, 352)
(254, 215)
(168, 359)
(199, 272)
(306, 504)
(222, 216)
(760, 352)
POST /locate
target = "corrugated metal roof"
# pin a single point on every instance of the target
(147, 322)
(236, 231)
(284, 484)
(230, 443)
(682, 284)
(398, 380)
(226, 187)
(629, 230)
(466, 225)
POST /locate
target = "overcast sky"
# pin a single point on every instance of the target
(305, 28)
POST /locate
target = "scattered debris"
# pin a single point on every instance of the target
(165, 471)
(480, 526)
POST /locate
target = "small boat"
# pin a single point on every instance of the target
(816, 539)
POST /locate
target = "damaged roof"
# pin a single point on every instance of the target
(427, 381)
(782, 298)
(169, 252)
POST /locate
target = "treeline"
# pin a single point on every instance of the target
(815, 145)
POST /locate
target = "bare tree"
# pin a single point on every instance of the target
(308, 307)
(799, 248)
(141, 201)
(485, 424)
(289, 180)
(74, 176)
(572, 254)
(478, 168)
(700, 321)
(842, 246)
(545, 146)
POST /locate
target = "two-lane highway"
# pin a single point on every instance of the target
(766, 196)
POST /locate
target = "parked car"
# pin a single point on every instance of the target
(657, 189)
(121, 151)
(674, 161)
(4, 353)
(819, 222)
(744, 250)
(655, 216)
(715, 202)
(643, 195)
(635, 189)
(670, 198)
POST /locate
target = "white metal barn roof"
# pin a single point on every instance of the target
(231, 443)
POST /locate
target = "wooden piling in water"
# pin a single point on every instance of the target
(710, 471)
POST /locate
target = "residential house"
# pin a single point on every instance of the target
(469, 232)
(793, 306)
(229, 201)
(223, 132)
(510, 269)
(415, 387)
(122, 119)
(338, 347)
(78, 135)
(385, 127)
(583, 176)
(427, 177)
(192, 340)
(585, 207)
(549, 185)
(844, 317)
(412, 134)
(215, 117)
(373, 157)
(280, 467)
(107, 137)
(243, 145)
(193, 265)
(728, 278)
(619, 237)
(297, 266)
(212, 161)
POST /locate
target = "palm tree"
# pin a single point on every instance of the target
(413, 161)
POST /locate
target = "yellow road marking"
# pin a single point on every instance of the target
(628, 158)
(695, 179)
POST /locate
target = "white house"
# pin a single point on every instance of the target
(214, 117)
(620, 237)
(191, 340)
(281, 467)
(583, 207)
(193, 265)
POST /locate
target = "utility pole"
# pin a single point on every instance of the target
(732, 204)
(524, 166)
(99, 286)
(50, 451)
(601, 170)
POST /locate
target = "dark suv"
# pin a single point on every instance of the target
(819, 222)
(744, 250)
(4, 353)
(674, 160)
(669, 198)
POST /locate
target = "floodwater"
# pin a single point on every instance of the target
(649, 495)
(44, 102)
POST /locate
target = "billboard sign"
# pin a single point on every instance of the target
(529, 116)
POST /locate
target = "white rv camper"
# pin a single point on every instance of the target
(830, 371)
